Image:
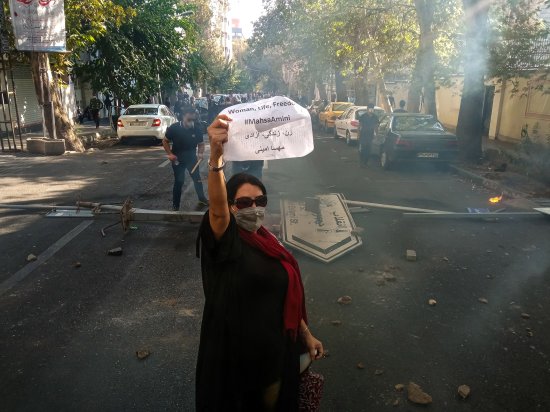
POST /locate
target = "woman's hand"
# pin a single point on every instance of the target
(217, 133)
(314, 346)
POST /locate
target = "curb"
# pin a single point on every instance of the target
(488, 183)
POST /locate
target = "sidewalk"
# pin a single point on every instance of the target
(87, 132)
(500, 173)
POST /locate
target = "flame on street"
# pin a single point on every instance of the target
(495, 199)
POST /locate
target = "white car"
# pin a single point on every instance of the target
(145, 121)
(347, 124)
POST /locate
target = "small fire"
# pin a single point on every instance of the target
(495, 199)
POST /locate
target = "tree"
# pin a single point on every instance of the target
(469, 127)
(147, 53)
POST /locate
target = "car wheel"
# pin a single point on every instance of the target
(385, 162)
(348, 138)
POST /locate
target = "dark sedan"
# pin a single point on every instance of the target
(405, 137)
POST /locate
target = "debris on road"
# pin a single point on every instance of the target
(464, 391)
(344, 300)
(142, 354)
(378, 372)
(395, 402)
(117, 251)
(360, 269)
(77, 264)
(389, 277)
(336, 322)
(529, 332)
(432, 302)
(360, 365)
(31, 258)
(411, 255)
(445, 258)
(525, 316)
(399, 387)
(415, 394)
(483, 300)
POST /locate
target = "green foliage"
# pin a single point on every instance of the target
(517, 39)
(144, 53)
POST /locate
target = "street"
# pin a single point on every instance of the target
(71, 327)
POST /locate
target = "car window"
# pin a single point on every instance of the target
(136, 111)
(416, 124)
(346, 114)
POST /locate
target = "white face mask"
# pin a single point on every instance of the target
(250, 218)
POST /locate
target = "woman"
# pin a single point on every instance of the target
(254, 325)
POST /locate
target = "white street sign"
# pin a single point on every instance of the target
(39, 25)
(321, 227)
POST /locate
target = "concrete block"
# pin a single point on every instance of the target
(35, 145)
(54, 147)
(411, 255)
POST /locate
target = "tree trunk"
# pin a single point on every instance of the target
(469, 129)
(381, 83)
(341, 92)
(50, 100)
(415, 91)
(322, 90)
(426, 58)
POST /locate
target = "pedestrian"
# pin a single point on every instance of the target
(108, 103)
(185, 136)
(402, 104)
(391, 100)
(254, 324)
(179, 105)
(167, 102)
(368, 123)
(95, 106)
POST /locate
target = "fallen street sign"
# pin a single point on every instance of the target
(320, 226)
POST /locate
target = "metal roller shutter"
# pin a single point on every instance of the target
(27, 103)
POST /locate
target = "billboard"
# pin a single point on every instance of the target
(39, 25)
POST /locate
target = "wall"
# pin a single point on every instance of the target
(447, 98)
(524, 111)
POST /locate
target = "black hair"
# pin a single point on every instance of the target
(187, 110)
(236, 181)
(402, 103)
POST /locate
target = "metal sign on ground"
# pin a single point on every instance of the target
(320, 226)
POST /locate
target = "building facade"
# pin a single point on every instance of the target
(221, 26)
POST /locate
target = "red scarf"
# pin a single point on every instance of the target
(295, 306)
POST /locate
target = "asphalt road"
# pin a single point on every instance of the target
(70, 328)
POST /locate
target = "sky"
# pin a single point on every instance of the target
(247, 11)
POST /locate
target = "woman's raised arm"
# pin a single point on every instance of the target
(219, 213)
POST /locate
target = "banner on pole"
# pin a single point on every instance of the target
(275, 128)
(39, 25)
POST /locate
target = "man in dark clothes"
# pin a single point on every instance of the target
(368, 123)
(185, 136)
(95, 107)
(179, 106)
(402, 104)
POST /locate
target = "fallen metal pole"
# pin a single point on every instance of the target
(36, 207)
(393, 207)
(451, 215)
(146, 215)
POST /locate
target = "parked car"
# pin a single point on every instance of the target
(413, 137)
(346, 125)
(331, 112)
(145, 121)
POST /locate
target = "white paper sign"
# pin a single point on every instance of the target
(275, 128)
(38, 25)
